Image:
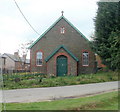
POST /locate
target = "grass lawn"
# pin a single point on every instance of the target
(36, 81)
(106, 101)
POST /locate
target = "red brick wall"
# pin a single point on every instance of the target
(71, 39)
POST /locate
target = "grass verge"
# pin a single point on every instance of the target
(106, 101)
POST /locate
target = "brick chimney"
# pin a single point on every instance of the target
(16, 54)
(24, 56)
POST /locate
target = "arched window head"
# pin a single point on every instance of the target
(62, 30)
(85, 56)
(39, 58)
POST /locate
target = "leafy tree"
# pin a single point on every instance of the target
(23, 51)
(106, 40)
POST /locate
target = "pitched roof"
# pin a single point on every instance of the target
(16, 58)
(62, 17)
(11, 56)
(56, 50)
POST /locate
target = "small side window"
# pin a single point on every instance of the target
(39, 58)
(62, 30)
(85, 56)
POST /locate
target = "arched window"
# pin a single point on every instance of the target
(85, 56)
(39, 58)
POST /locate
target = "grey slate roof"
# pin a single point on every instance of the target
(16, 58)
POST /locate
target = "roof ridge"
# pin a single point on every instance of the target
(8, 54)
(14, 58)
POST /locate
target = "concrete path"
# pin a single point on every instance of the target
(52, 93)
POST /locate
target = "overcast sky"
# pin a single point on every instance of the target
(41, 14)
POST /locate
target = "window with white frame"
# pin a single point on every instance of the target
(62, 30)
(39, 58)
(85, 60)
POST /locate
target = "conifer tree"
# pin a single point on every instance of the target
(106, 42)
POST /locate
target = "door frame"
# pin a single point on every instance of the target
(55, 62)
(59, 61)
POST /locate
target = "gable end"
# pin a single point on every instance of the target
(62, 17)
(56, 50)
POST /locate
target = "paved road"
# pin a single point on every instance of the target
(51, 93)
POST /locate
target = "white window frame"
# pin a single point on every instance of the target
(39, 58)
(62, 30)
(85, 58)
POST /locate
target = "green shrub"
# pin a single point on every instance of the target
(41, 80)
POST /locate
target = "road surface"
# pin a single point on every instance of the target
(53, 93)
